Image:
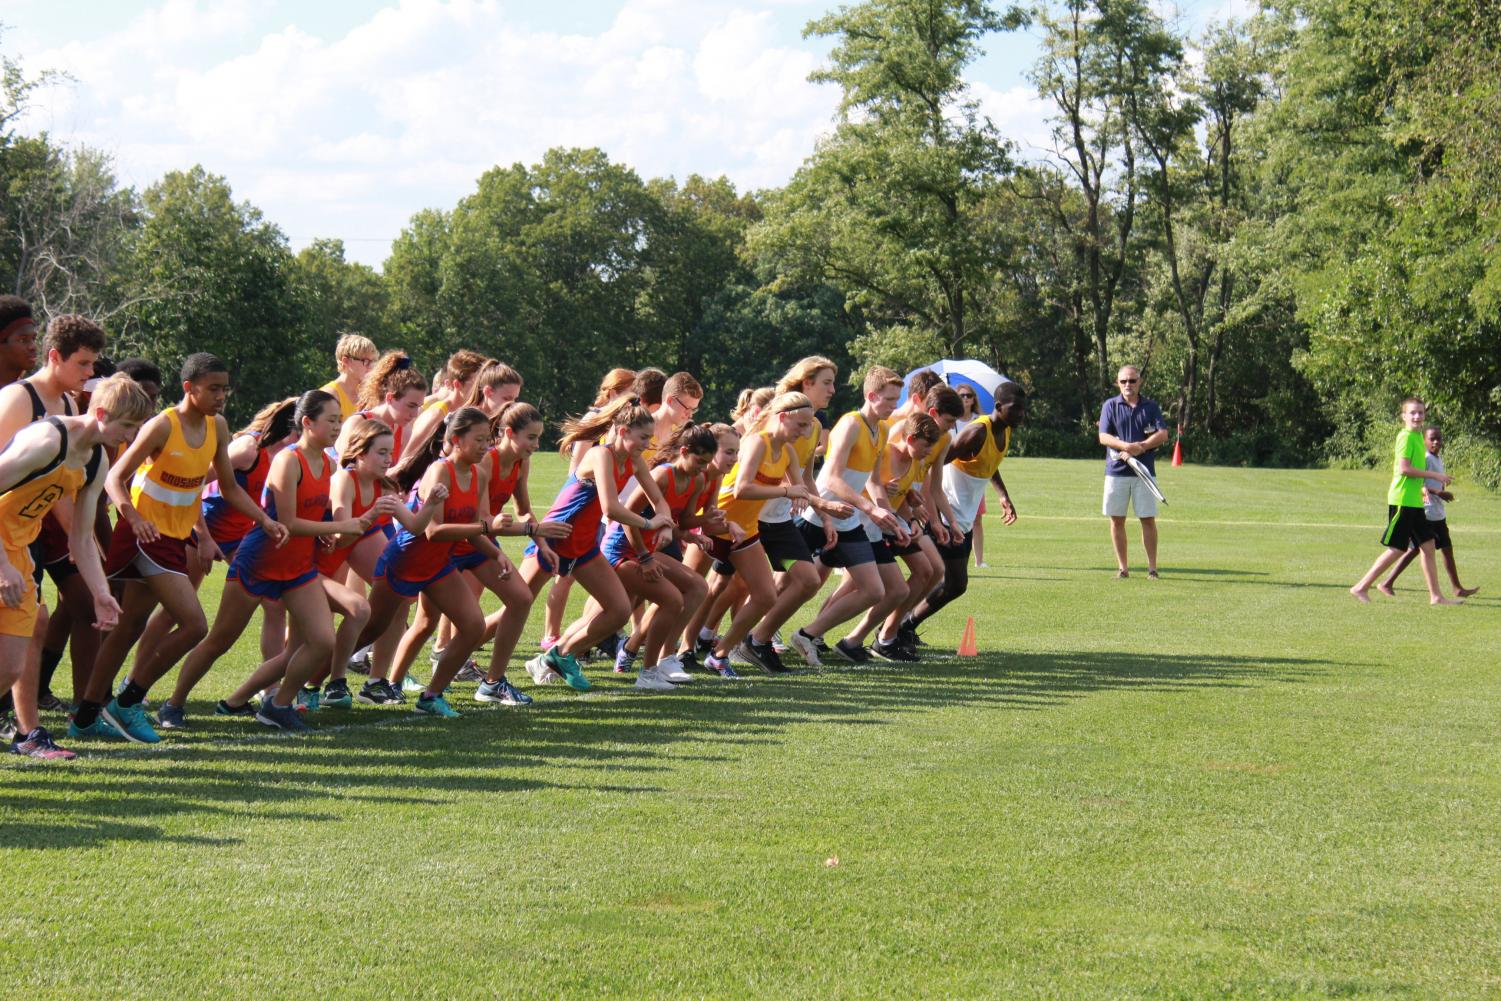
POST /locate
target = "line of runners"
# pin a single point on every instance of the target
(339, 510)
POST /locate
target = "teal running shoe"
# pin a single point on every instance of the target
(411, 686)
(309, 700)
(101, 727)
(130, 721)
(437, 705)
(568, 666)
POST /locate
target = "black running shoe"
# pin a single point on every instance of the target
(893, 651)
(704, 646)
(377, 692)
(852, 652)
(690, 662)
(764, 657)
(225, 709)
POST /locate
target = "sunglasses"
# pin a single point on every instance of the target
(1129, 382)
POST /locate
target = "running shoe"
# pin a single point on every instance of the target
(541, 672)
(778, 644)
(9, 730)
(336, 695)
(309, 700)
(824, 650)
(225, 709)
(764, 656)
(652, 681)
(548, 642)
(378, 692)
(470, 672)
(610, 645)
(49, 703)
(852, 652)
(281, 717)
(739, 655)
(360, 662)
(705, 646)
(131, 721)
(625, 661)
(434, 705)
(170, 717)
(39, 744)
(689, 662)
(411, 686)
(101, 727)
(671, 668)
(720, 666)
(501, 691)
(568, 666)
(436, 654)
(806, 648)
(892, 651)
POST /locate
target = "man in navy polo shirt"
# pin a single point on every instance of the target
(1131, 425)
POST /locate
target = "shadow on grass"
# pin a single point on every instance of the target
(594, 745)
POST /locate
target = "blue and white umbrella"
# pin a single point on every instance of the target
(975, 374)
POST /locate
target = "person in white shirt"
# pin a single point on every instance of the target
(1434, 499)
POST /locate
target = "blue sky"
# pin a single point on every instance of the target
(342, 118)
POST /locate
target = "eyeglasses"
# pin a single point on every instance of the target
(363, 361)
(1129, 382)
(689, 410)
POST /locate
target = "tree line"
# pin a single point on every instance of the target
(1288, 222)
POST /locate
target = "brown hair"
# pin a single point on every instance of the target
(515, 416)
(648, 385)
(682, 384)
(393, 375)
(463, 365)
(274, 421)
(698, 438)
(615, 382)
(122, 398)
(879, 377)
(71, 332)
(922, 427)
(628, 411)
(921, 382)
(361, 440)
(944, 400)
(493, 373)
(804, 371)
(752, 398)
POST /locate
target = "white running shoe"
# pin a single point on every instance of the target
(541, 672)
(778, 644)
(649, 679)
(805, 648)
(671, 668)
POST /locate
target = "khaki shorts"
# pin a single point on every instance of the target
(1121, 491)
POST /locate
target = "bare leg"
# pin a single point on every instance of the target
(600, 580)
(451, 597)
(236, 606)
(1385, 587)
(1149, 541)
(1362, 587)
(1430, 577)
(515, 606)
(979, 541)
(895, 593)
(1459, 589)
(557, 605)
(867, 589)
(799, 584)
(24, 690)
(1118, 541)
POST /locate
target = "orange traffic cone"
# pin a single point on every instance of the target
(967, 647)
(1178, 448)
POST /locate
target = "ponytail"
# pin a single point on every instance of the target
(697, 438)
(393, 375)
(627, 411)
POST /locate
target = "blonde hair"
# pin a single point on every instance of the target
(752, 399)
(783, 404)
(803, 372)
(122, 398)
(879, 378)
(354, 345)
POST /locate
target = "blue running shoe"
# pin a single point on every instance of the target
(435, 705)
(720, 666)
(101, 727)
(281, 717)
(503, 692)
(625, 661)
(170, 717)
(130, 721)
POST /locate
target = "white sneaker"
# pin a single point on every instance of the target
(541, 673)
(805, 648)
(649, 679)
(778, 644)
(671, 668)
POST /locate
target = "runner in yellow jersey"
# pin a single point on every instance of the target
(975, 461)
(900, 474)
(57, 459)
(148, 552)
(930, 516)
(356, 356)
(855, 447)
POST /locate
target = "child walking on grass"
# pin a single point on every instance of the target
(1434, 499)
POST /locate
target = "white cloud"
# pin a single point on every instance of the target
(406, 109)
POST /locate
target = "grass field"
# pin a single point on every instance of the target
(1233, 782)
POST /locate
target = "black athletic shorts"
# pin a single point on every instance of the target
(1440, 530)
(907, 550)
(784, 544)
(1406, 528)
(957, 550)
(61, 570)
(35, 549)
(720, 550)
(852, 550)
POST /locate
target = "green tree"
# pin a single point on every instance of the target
(338, 297)
(227, 285)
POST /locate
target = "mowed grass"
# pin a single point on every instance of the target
(1231, 782)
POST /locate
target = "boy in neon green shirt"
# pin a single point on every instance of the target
(1407, 526)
